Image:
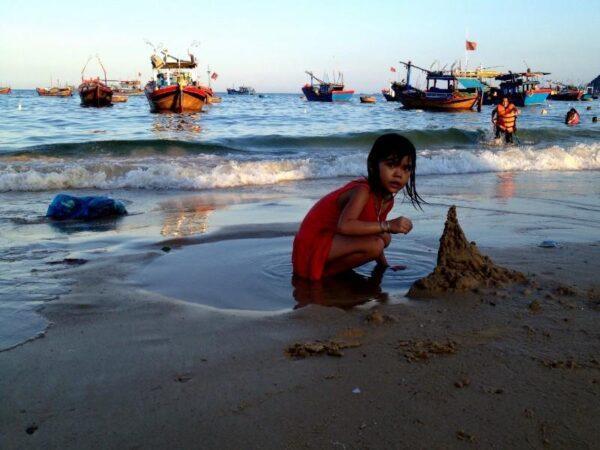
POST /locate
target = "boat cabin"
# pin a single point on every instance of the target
(175, 71)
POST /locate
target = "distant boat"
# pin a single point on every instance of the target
(5, 90)
(174, 87)
(94, 92)
(323, 91)
(566, 93)
(119, 98)
(367, 99)
(522, 89)
(242, 90)
(55, 92)
(127, 87)
(392, 94)
(441, 94)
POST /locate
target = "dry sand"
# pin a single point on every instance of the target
(516, 367)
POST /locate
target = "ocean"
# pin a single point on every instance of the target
(250, 162)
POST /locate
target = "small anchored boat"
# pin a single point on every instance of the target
(565, 93)
(174, 87)
(522, 88)
(55, 91)
(323, 91)
(392, 94)
(5, 90)
(443, 93)
(367, 99)
(94, 92)
(242, 90)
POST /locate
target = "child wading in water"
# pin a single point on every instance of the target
(348, 228)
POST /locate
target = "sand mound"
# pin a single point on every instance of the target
(460, 266)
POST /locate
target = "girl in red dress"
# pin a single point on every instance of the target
(348, 227)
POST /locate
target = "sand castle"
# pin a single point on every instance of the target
(461, 267)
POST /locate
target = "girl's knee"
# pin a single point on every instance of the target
(376, 247)
(387, 238)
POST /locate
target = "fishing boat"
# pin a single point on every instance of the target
(119, 98)
(522, 89)
(367, 99)
(565, 93)
(55, 91)
(443, 92)
(174, 87)
(242, 90)
(392, 94)
(323, 91)
(5, 90)
(94, 92)
(127, 87)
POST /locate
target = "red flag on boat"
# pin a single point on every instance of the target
(392, 69)
(471, 45)
(214, 76)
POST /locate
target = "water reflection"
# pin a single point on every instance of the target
(186, 216)
(78, 226)
(176, 123)
(343, 291)
(505, 185)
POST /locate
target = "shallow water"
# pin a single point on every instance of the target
(251, 161)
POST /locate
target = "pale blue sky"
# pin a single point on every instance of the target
(268, 44)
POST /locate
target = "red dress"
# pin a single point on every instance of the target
(313, 241)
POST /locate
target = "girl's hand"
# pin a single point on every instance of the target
(400, 225)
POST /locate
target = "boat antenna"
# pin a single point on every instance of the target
(103, 69)
(83, 70)
(527, 65)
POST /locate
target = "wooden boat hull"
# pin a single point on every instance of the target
(367, 99)
(176, 98)
(5, 91)
(570, 96)
(54, 92)
(451, 102)
(95, 94)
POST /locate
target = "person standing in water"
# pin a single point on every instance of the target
(572, 117)
(348, 227)
(504, 118)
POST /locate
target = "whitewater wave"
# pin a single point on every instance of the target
(209, 171)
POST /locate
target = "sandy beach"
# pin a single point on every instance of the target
(125, 367)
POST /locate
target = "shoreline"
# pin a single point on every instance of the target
(128, 367)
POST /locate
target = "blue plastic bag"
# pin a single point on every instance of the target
(68, 207)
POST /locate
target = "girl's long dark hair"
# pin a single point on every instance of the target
(394, 147)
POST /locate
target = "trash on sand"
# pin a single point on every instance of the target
(356, 390)
(331, 348)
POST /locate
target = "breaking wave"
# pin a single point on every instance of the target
(215, 170)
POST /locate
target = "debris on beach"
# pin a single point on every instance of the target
(463, 436)
(423, 350)
(332, 348)
(462, 383)
(535, 306)
(375, 317)
(461, 267)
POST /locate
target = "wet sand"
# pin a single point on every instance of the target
(127, 367)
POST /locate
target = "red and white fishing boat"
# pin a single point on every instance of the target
(94, 92)
(174, 87)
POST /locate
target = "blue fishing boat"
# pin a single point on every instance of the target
(522, 89)
(323, 91)
(242, 90)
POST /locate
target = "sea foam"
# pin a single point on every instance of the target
(196, 172)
